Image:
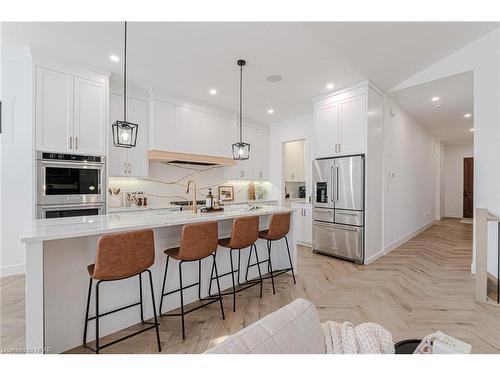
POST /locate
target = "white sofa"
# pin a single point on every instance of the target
(293, 329)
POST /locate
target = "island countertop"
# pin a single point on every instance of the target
(60, 228)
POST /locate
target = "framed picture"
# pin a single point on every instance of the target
(226, 193)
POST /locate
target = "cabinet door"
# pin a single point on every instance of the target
(53, 111)
(258, 154)
(326, 120)
(89, 116)
(137, 113)
(117, 156)
(352, 125)
(308, 224)
(163, 126)
(299, 222)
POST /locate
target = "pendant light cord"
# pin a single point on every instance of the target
(241, 101)
(125, 76)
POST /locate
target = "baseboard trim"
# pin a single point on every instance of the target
(408, 237)
(374, 257)
(14, 269)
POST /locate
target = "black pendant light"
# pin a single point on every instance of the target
(124, 132)
(241, 150)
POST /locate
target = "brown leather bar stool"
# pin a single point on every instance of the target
(119, 257)
(245, 233)
(279, 226)
(198, 241)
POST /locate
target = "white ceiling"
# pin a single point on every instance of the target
(447, 123)
(389, 53)
(190, 58)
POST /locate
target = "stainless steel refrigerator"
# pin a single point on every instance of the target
(338, 207)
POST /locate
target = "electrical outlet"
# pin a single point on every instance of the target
(427, 213)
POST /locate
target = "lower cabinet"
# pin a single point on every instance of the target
(129, 162)
(303, 224)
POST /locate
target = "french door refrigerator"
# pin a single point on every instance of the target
(338, 207)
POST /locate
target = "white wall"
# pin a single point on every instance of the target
(411, 165)
(17, 176)
(454, 178)
(483, 58)
(281, 132)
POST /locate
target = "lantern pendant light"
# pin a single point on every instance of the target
(241, 150)
(125, 132)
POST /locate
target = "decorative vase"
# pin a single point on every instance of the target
(115, 201)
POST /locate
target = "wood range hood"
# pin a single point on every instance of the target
(184, 158)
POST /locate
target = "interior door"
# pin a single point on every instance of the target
(468, 187)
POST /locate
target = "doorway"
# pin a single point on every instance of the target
(468, 188)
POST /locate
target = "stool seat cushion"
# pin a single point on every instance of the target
(173, 252)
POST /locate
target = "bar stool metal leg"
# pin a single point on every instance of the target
(218, 287)
(140, 298)
(290, 259)
(182, 300)
(87, 314)
(163, 286)
(97, 317)
(154, 309)
(270, 265)
(232, 278)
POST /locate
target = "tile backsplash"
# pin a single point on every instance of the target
(168, 182)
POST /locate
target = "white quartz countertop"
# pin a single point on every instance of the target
(60, 228)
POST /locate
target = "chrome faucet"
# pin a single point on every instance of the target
(195, 209)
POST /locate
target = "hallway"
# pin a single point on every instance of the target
(423, 286)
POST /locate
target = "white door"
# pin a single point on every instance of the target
(163, 129)
(89, 116)
(326, 120)
(137, 113)
(117, 156)
(353, 125)
(53, 111)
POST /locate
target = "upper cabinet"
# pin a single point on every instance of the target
(162, 131)
(340, 123)
(129, 162)
(70, 110)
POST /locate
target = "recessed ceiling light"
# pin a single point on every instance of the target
(438, 106)
(467, 115)
(471, 129)
(435, 98)
(270, 111)
(213, 91)
(274, 78)
(114, 58)
(330, 86)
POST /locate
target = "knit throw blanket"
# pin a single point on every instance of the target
(366, 338)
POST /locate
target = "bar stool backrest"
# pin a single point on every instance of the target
(198, 240)
(122, 255)
(245, 232)
(279, 226)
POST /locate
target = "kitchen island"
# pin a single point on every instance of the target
(59, 250)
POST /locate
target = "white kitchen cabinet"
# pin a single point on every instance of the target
(256, 167)
(326, 122)
(294, 162)
(70, 112)
(89, 116)
(53, 110)
(352, 125)
(129, 162)
(303, 223)
(340, 122)
(162, 132)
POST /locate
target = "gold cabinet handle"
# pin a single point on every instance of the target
(76, 143)
(70, 142)
(124, 167)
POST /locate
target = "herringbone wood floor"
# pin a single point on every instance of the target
(423, 286)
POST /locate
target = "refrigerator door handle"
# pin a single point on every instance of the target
(332, 195)
(335, 183)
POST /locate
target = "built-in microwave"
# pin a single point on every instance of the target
(70, 179)
(68, 210)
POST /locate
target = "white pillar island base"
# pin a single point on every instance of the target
(59, 250)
